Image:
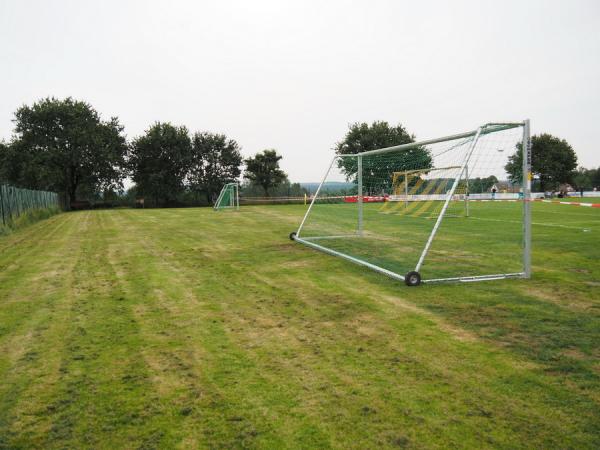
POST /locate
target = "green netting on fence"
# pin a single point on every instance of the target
(15, 201)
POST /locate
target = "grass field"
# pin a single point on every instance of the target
(189, 328)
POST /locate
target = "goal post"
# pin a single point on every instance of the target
(443, 209)
(229, 197)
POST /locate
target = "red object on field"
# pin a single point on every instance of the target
(589, 205)
(366, 198)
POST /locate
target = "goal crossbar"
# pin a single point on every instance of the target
(485, 129)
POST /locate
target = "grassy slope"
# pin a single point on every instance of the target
(27, 218)
(148, 328)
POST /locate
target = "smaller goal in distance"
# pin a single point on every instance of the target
(229, 197)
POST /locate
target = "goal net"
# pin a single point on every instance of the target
(420, 191)
(228, 197)
(443, 209)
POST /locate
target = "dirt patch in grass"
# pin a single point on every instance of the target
(456, 332)
(575, 353)
(298, 264)
(570, 301)
(576, 270)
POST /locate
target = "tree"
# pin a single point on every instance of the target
(3, 161)
(215, 160)
(378, 170)
(478, 185)
(587, 178)
(22, 167)
(64, 146)
(553, 162)
(284, 189)
(263, 170)
(596, 178)
(160, 161)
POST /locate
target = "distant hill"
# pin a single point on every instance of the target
(329, 186)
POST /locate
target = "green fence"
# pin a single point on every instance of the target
(15, 201)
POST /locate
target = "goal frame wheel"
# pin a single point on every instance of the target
(412, 278)
(293, 236)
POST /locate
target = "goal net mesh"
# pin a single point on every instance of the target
(405, 191)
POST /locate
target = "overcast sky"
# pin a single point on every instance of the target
(293, 75)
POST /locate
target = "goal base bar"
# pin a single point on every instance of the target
(360, 262)
(339, 236)
(498, 276)
(396, 276)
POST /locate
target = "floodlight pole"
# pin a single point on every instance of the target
(360, 195)
(526, 201)
(448, 198)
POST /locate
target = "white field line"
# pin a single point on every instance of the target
(554, 225)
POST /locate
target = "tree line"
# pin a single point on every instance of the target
(168, 162)
(64, 146)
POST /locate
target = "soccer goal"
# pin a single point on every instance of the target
(229, 197)
(437, 210)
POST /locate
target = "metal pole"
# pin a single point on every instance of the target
(216, 205)
(315, 197)
(406, 189)
(526, 201)
(467, 191)
(360, 195)
(447, 202)
(9, 203)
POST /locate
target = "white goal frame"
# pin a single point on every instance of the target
(475, 134)
(234, 200)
